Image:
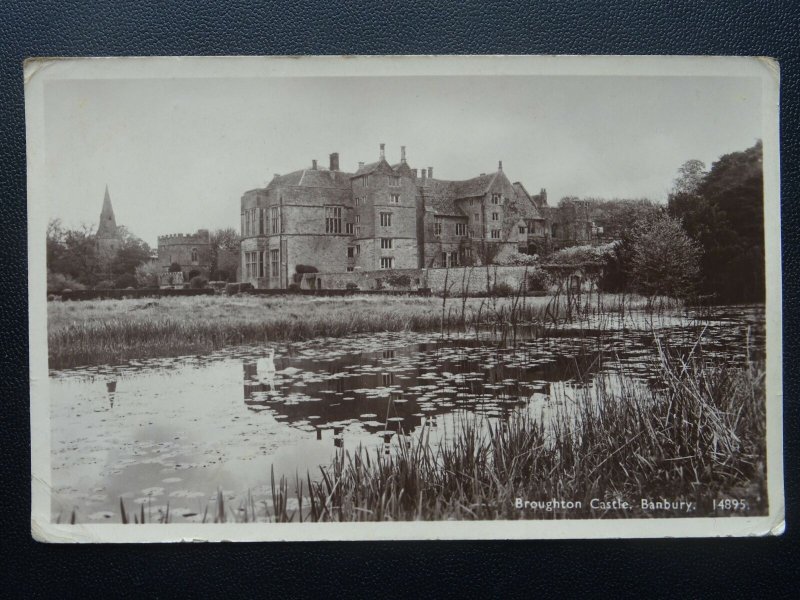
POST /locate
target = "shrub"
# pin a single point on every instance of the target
(294, 287)
(351, 286)
(538, 280)
(197, 282)
(58, 282)
(577, 255)
(126, 280)
(193, 273)
(502, 289)
(246, 287)
(520, 259)
(105, 284)
(174, 268)
(398, 280)
(238, 288)
(147, 274)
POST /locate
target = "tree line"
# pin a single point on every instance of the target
(708, 241)
(73, 261)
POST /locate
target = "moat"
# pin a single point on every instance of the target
(175, 431)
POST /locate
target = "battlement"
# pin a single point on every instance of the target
(173, 239)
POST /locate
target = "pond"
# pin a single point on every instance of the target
(175, 432)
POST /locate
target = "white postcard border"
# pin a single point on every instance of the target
(37, 72)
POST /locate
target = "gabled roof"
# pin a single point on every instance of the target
(439, 196)
(527, 207)
(312, 178)
(477, 186)
(372, 167)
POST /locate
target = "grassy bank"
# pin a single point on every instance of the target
(112, 331)
(698, 438)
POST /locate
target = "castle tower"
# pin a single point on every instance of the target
(107, 234)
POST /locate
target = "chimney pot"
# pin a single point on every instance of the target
(334, 161)
(430, 172)
(314, 164)
(361, 164)
(383, 151)
(500, 165)
(403, 154)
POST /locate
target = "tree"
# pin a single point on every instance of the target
(132, 253)
(725, 215)
(147, 274)
(225, 246)
(72, 252)
(665, 260)
(619, 216)
(690, 176)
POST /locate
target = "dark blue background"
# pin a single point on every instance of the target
(504, 569)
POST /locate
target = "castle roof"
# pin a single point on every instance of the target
(477, 186)
(527, 206)
(108, 223)
(439, 195)
(312, 178)
(367, 169)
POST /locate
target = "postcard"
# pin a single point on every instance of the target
(404, 298)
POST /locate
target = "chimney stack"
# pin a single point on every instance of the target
(314, 165)
(383, 151)
(415, 173)
(430, 172)
(424, 172)
(403, 154)
(361, 164)
(500, 165)
(334, 164)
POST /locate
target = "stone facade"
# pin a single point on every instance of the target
(388, 217)
(192, 251)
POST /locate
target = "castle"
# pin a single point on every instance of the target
(390, 216)
(190, 251)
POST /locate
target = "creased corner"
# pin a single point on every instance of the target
(772, 66)
(32, 66)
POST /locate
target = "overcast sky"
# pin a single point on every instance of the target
(177, 154)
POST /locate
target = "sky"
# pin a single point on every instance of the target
(177, 154)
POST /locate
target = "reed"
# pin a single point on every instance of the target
(698, 438)
(114, 331)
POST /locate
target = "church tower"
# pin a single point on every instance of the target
(107, 235)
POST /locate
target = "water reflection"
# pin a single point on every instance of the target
(182, 427)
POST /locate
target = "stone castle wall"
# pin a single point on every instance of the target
(191, 251)
(457, 281)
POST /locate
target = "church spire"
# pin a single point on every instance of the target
(108, 224)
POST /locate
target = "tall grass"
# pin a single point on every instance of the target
(699, 438)
(113, 331)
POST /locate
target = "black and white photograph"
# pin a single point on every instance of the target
(424, 297)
